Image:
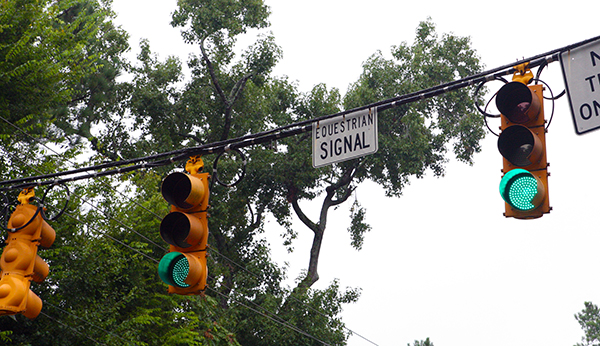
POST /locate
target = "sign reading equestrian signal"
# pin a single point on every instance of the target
(344, 137)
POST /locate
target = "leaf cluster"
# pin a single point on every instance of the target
(589, 320)
(414, 138)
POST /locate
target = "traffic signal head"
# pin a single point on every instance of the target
(185, 228)
(20, 263)
(522, 143)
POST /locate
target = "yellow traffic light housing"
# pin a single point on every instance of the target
(185, 229)
(20, 263)
(522, 143)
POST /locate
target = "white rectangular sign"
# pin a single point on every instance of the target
(344, 137)
(581, 70)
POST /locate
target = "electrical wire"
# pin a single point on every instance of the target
(87, 322)
(283, 322)
(287, 130)
(54, 151)
(100, 232)
(215, 175)
(40, 209)
(274, 319)
(86, 201)
(291, 297)
(73, 329)
(553, 99)
(282, 132)
(537, 78)
(112, 238)
(278, 320)
(55, 217)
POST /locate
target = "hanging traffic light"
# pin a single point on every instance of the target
(185, 228)
(20, 263)
(522, 143)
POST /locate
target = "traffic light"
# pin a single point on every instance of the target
(20, 263)
(522, 143)
(185, 228)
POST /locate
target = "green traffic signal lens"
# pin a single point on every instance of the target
(520, 189)
(173, 269)
(181, 269)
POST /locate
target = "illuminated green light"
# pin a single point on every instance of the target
(173, 269)
(519, 188)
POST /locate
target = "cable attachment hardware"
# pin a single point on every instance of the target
(194, 164)
(522, 73)
(26, 195)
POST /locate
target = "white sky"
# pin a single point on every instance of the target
(442, 262)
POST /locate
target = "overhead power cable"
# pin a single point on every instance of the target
(87, 322)
(291, 296)
(279, 320)
(276, 320)
(73, 329)
(54, 174)
(166, 158)
(86, 201)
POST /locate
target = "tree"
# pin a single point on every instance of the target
(427, 342)
(101, 278)
(229, 97)
(104, 261)
(589, 319)
(412, 138)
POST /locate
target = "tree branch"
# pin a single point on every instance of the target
(344, 181)
(293, 199)
(237, 89)
(211, 71)
(234, 95)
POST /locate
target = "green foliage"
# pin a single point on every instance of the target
(589, 319)
(222, 19)
(413, 138)
(358, 227)
(58, 66)
(427, 342)
(5, 336)
(59, 63)
(306, 310)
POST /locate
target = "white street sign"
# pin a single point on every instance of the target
(344, 137)
(581, 70)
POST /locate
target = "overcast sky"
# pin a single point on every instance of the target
(442, 261)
